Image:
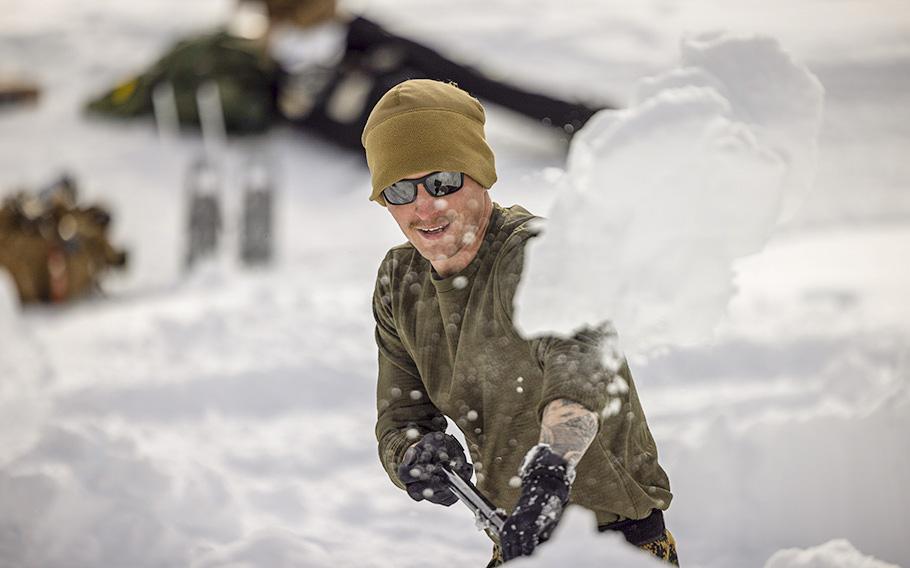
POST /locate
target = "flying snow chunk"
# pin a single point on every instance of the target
(661, 198)
(833, 554)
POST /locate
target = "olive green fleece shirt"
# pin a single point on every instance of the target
(448, 347)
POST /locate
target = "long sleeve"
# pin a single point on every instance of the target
(401, 398)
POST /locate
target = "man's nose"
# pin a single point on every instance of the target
(425, 204)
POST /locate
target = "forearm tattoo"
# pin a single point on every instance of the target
(569, 428)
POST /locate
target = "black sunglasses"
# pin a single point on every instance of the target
(437, 184)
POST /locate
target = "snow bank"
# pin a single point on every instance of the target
(790, 476)
(661, 198)
(86, 497)
(833, 554)
(22, 373)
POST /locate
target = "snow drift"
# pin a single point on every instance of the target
(834, 554)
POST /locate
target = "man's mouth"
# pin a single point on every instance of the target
(433, 231)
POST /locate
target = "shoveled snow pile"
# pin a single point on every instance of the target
(661, 198)
(834, 554)
(575, 541)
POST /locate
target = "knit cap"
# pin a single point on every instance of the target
(423, 125)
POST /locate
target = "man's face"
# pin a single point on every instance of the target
(446, 230)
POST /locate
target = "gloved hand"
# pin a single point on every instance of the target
(545, 481)
(421, 468)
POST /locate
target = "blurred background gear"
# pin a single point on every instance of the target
(301, 13)
(307, 62)
(256, 224)
(14, 91)
(55, 249)
(246, 76)
(204, 222)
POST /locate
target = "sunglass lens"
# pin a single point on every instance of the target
(400, 192)
(444, 183)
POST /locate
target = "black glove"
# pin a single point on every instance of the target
(545, 483)
(421, 469)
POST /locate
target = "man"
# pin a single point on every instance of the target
(532, 411)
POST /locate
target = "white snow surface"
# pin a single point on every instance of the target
(573, 541)
(833, 554)
(664, 196)
(224, 418)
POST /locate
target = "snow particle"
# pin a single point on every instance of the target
(427, 493)
(412, 433)
(416, 395)
(520, 379)
(618, 386)
(515, 481)
(395, 392)
(614, 405)
(460, 282)
(519, 390)
(472, 415)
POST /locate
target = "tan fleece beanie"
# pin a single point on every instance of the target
(424, 126)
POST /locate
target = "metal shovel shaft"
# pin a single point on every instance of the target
(468, 494)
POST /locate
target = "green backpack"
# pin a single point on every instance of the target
(247, 78)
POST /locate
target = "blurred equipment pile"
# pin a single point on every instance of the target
(55, 249)
(309, 63)
(246, 78)
(17, 91)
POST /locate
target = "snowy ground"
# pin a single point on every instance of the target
(225, 418)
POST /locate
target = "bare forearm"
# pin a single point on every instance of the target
(568, 428)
